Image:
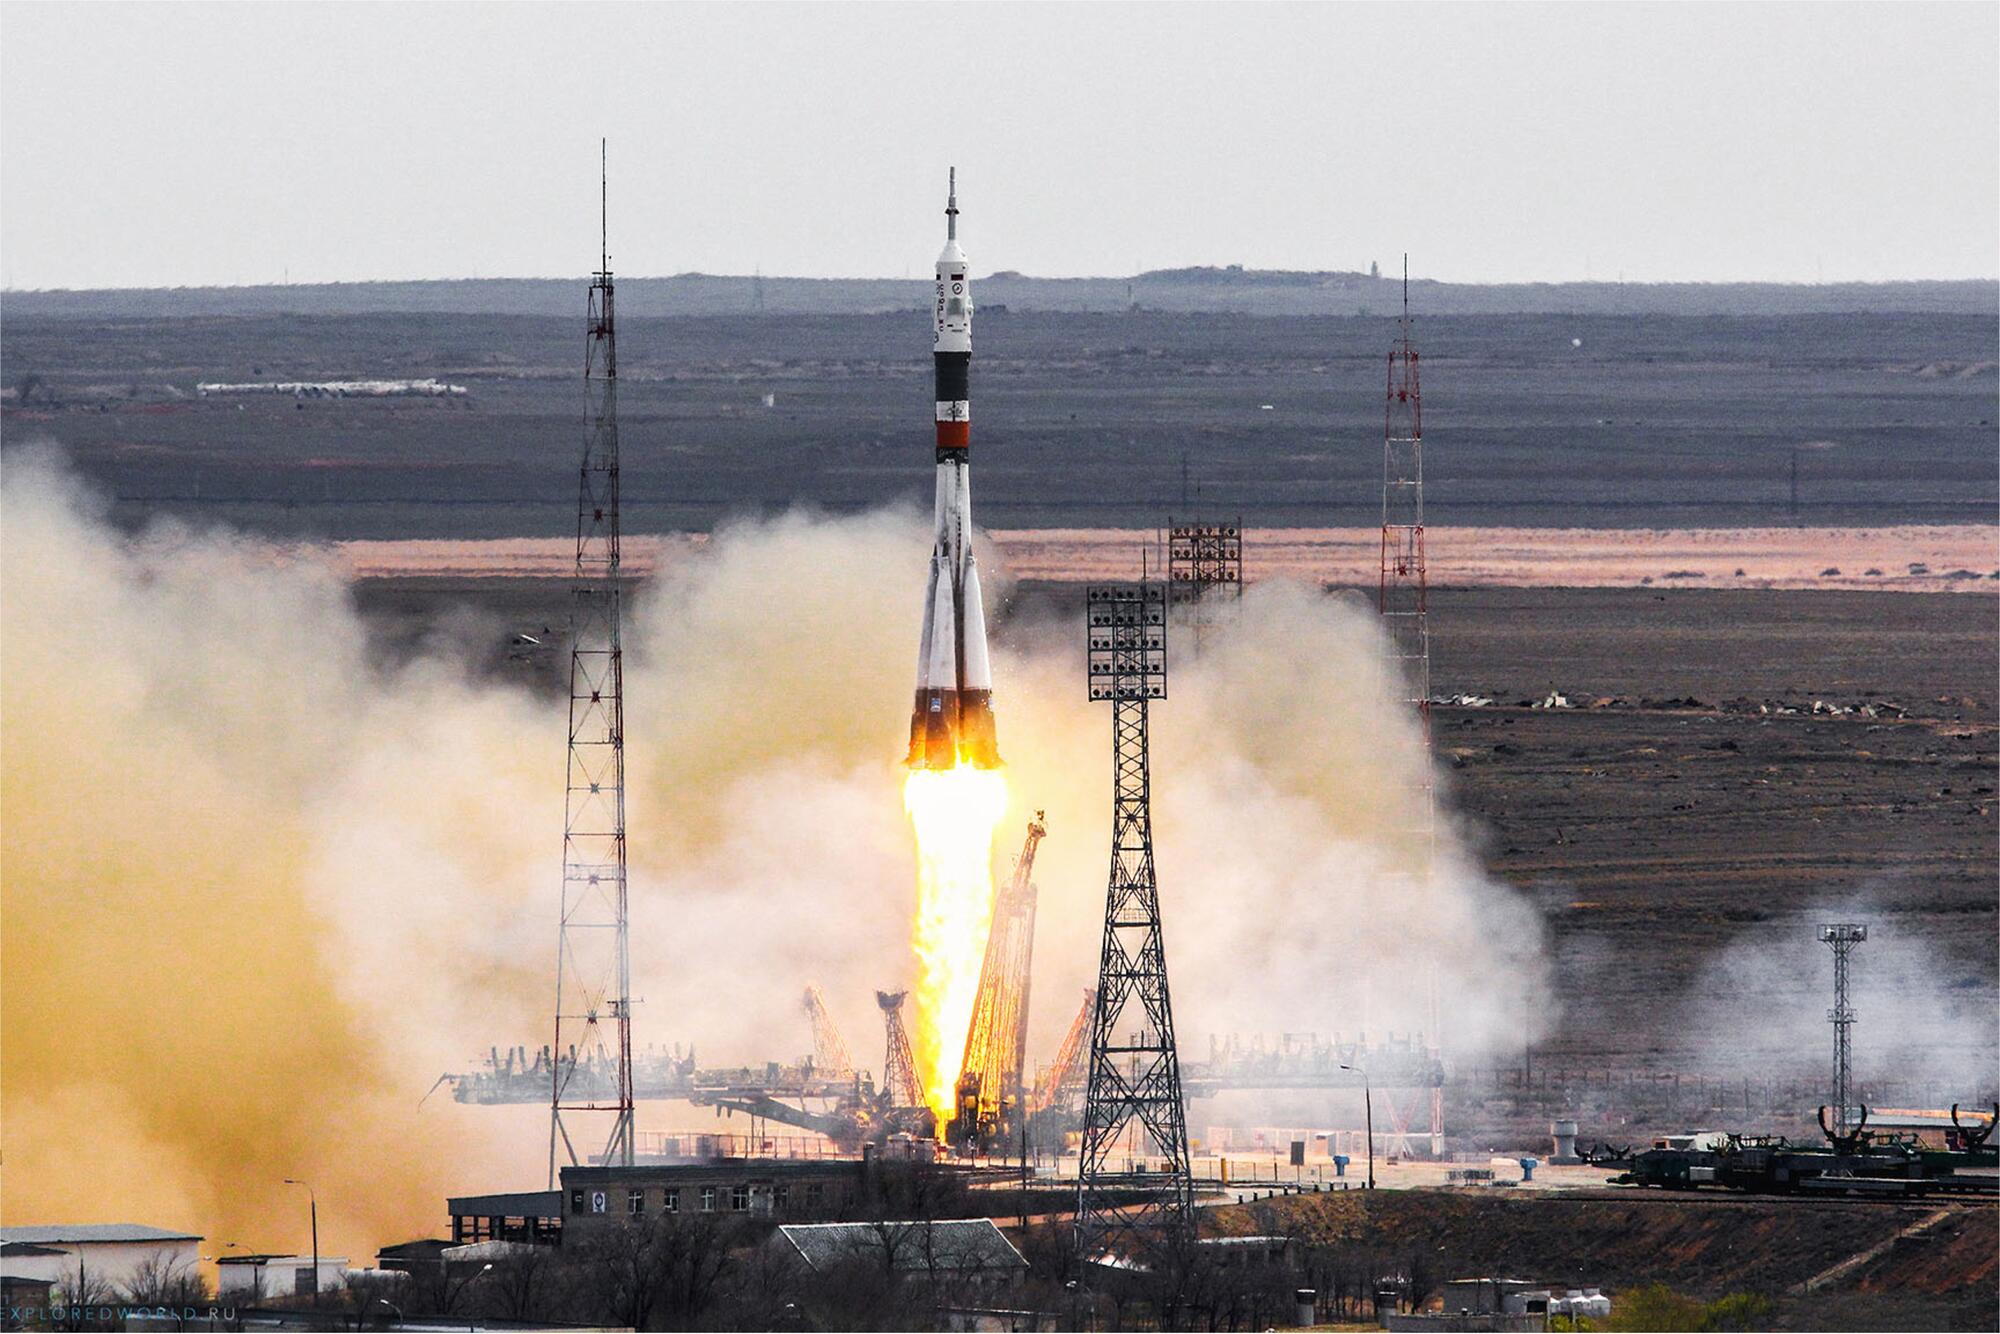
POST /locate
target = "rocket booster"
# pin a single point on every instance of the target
(953, 719)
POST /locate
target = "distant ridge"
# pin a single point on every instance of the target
(1223, 290)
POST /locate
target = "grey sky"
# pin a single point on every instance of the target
(167, 144)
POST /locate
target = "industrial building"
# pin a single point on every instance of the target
(109, 1255)
(521, 1215)
(804, 1190)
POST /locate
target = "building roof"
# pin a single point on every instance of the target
(59, 1233)
(668, 1173)
(299, 1260)
(29, 1248)
(511, 1204)
(957, 1244)
(489, 1250)
(425, 1248)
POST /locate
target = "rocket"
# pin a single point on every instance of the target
(953, 719)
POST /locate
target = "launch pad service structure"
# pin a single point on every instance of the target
(953, 717)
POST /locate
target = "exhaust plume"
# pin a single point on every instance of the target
(262, 885)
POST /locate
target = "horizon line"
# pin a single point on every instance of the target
(1013, 275)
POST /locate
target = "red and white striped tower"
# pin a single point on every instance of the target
(1402, 598)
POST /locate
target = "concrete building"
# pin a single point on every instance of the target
(803, 1189)
(262, 1277)
(109, 1256)
(777, 1189)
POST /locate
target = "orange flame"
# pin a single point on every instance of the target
(955, 813)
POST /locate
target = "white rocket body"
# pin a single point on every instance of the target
(952, 722)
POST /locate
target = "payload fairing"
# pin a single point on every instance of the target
(953, 719)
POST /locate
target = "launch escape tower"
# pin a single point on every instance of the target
(1135, 1079)
(593, 957)
(1402, 598)
(1842, 937)
(990, 1105)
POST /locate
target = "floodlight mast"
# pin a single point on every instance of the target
(1842, 937)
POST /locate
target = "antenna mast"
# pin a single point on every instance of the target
(1402, 598)
(593, 958)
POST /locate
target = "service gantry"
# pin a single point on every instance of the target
(989, 1102)
(899, 1066)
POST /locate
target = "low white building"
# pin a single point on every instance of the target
(257, 1277)
(100, 1258)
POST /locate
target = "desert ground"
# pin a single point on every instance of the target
(1754, 548)
(1730, 766)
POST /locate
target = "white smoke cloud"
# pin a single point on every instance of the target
(1924, 1014)
(262, 885)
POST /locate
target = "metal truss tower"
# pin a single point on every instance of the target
(1204, 571)
(1403, 594)
(1842, 937)
(593, 958)
(1402, 598)
(1064, 1078)
(899, 1066)
(1134, 1086)
(830, 1056)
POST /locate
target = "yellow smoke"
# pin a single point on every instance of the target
(264, 875)
(954, 813)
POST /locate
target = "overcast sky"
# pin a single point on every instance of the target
(169, 144)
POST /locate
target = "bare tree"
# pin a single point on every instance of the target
(515, 1286)
(165, 1279)
(78, 1299)
(691, 1253)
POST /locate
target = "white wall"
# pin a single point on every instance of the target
(278, 1276)
(109, 1263)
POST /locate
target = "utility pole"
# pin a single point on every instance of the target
(312, 1203)
(1842, 937)
(1367, 1117)
(593, 957)
(1135, 1079)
